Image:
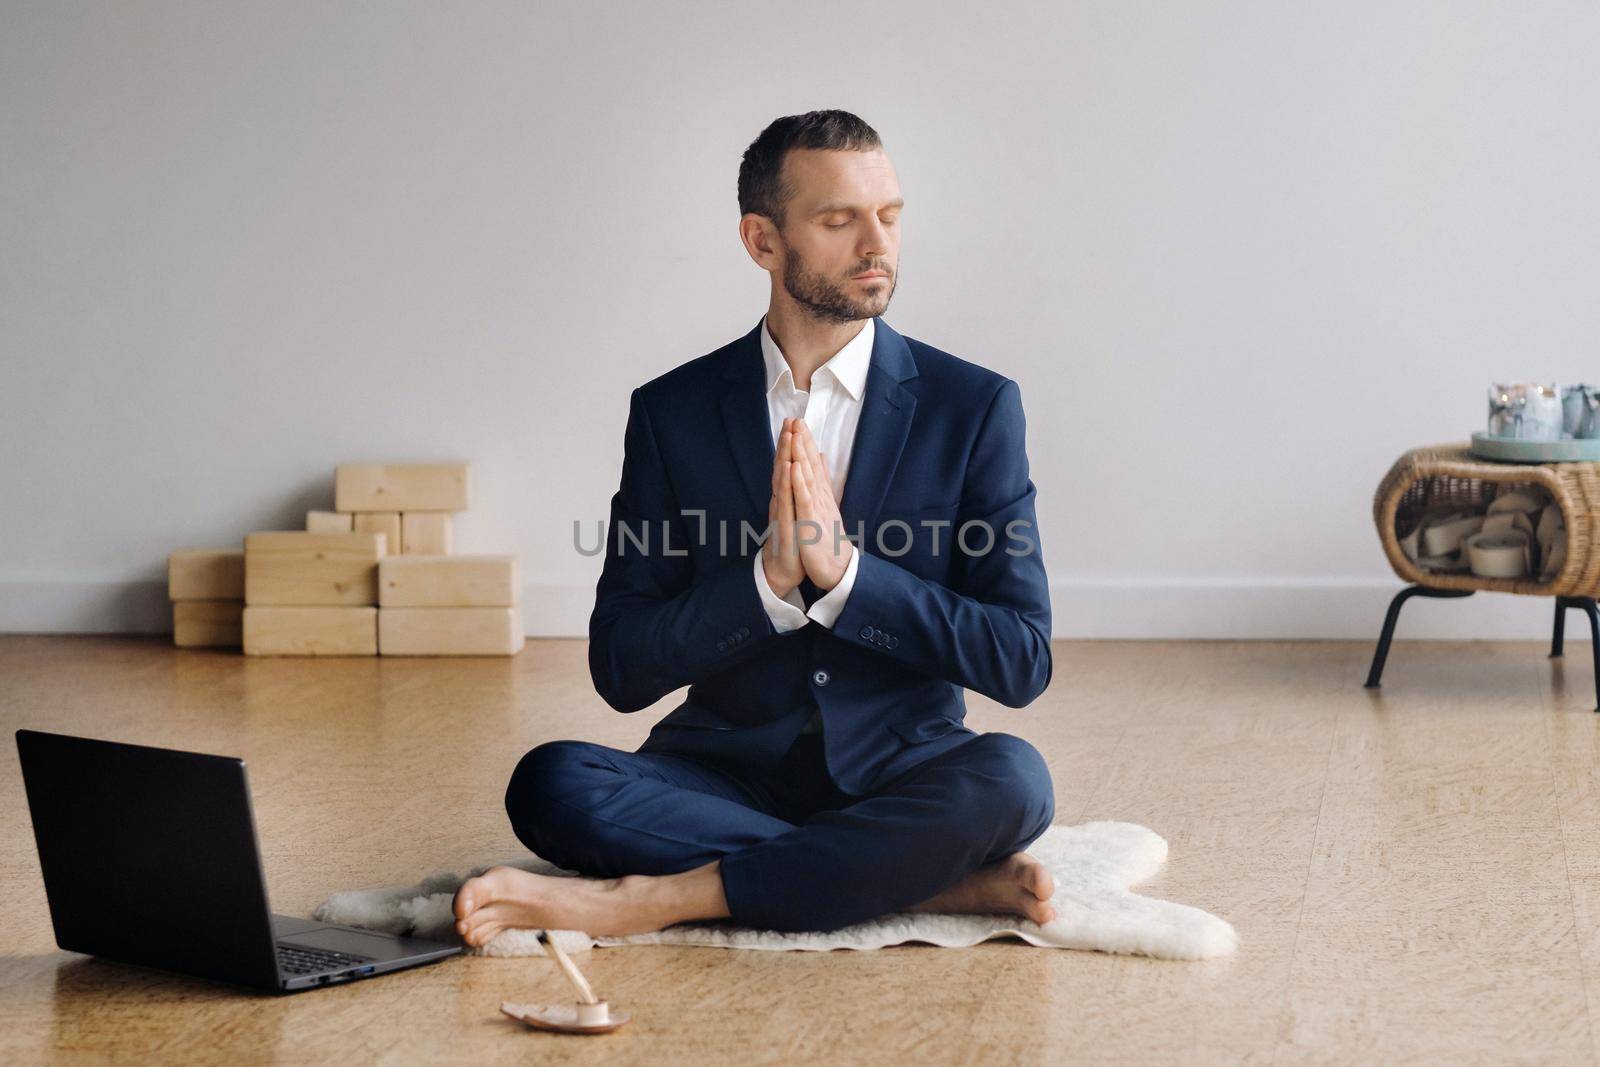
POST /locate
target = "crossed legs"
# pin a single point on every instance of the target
(673, 840)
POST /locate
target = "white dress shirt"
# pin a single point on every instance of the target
(831, 410)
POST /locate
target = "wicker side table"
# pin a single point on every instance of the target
(1451, 475)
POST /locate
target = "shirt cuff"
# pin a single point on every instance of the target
(787, 613)
(827, 608)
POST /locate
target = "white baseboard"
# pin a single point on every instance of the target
(1131, 608)
(1289, 608)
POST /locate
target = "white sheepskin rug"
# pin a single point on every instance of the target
(1093, 866)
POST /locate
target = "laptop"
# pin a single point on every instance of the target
(150, 857)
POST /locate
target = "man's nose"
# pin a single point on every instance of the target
(874, 241)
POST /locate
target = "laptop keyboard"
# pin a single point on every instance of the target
(295, 960)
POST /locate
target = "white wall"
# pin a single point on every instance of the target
(244, 242)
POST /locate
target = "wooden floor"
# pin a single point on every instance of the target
(1414, 872)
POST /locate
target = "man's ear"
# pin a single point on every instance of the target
(760, 240)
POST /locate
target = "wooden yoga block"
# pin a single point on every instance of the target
(426, 533)
(207, 623)
(310, 631)
(448, 582)
(449, 631)
(400, 487)
(302, 568)
(205, 574)
(384, 522)
(328, 522)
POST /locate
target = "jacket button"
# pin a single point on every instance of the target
(820, 677)
(866, 633)
(722, 646)
(894, 642)
(744, 631)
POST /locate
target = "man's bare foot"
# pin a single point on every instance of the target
(1015, 885)
(505, 897)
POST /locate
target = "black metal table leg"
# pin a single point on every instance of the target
(1587, 605)
(1558, 633)
(1393, 616)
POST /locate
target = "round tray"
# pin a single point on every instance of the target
(1516, 450)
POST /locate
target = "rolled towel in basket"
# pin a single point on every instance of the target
(1411, 543)
(1501, 521)
(1516, 500)
(1503, 554)
(1550, 521)
(1445, 534)
(1555, 557)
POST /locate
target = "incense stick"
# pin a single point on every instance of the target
(579, 982)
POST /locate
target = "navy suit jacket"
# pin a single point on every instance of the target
(939, 440)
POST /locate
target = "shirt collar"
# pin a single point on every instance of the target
(848, 365)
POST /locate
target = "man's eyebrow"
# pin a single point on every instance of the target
(840, 206)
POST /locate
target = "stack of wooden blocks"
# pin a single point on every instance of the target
(207, 590)
(376, 575)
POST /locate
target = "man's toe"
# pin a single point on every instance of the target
(1039, 882)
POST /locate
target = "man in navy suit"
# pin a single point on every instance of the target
(818, 772)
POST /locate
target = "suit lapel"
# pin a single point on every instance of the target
(747, 422)
(887, 409)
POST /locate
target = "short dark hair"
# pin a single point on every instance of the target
(762, 189)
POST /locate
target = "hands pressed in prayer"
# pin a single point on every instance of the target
(780, 555)
(825, 557)
(802, 491)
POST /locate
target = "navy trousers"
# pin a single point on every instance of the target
(797, 854)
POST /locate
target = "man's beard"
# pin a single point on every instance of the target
(828, 300)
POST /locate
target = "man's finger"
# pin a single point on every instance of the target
(774, 510)
(777, 462)
(786, 512)
(802, 490)
(819, 468)
(806, 446)
(781, 458)
(815, 461)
